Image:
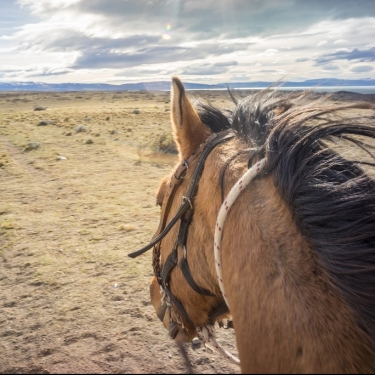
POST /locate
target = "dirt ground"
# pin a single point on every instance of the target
(73, 205)
(77, 186)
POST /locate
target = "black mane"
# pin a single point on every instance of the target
(331, 198)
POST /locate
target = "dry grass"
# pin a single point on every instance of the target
(70, 213)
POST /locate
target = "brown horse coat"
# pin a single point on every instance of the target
(295, 303)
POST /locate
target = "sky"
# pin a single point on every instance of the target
(202, 41)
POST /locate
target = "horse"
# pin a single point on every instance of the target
(265, 222)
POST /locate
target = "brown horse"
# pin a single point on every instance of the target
(297, 251)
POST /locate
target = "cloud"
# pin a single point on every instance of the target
(236, 18)
(209, 69)
(72, 40)
(362, 68)
(331, 67)
(270, 71)
(340, 41)
(270, 52)
(360, 54)
(146, 56)
(39, 71)
(302, 59)
(49, 72)
(154, 54)
(94, 39)
(46, 7)
(321, 43)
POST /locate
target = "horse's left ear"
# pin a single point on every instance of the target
(189, 131)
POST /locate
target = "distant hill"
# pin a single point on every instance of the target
(165, 85)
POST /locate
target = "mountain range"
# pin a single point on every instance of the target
(165, 85)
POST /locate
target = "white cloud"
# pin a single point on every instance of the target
(321, 43)
(270, 52)
(340, 41)
(110, 40)
(45, 7)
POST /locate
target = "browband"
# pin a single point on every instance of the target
(202, 152)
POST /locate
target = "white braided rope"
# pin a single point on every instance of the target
(207, 335)
(222, 215)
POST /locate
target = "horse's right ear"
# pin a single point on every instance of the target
(189, 131)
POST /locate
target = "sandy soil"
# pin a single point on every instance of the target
(71, 300)
(73, 205)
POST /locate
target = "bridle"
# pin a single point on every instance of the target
(184, 214)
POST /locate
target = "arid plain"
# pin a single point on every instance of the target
(77, 185)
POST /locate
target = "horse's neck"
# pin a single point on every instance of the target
(288, 316)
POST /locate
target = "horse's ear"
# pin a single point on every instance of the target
(189, 131)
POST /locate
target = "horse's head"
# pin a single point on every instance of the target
(184, 290)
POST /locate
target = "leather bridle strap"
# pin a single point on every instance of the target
(176, 180)
(182, 209)
(183, 264)
(184, 213)
(202, 152)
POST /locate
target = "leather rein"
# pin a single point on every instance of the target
(184, 214)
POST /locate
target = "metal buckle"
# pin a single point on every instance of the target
(182, 175)
(188, 200)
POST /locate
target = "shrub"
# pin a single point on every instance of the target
(165, 143)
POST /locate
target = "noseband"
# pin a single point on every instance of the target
(184, 214)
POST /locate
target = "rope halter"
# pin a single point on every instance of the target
(206, 334)
(234, 193)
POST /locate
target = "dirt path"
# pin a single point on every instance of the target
(71, 301)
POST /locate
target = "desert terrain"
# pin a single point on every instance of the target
(78, 176)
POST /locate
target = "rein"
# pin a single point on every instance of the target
(184, 215)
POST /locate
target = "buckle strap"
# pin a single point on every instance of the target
(189, 278)
(184, 206)
(169, 264)
(180, 306)
(210, 145)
